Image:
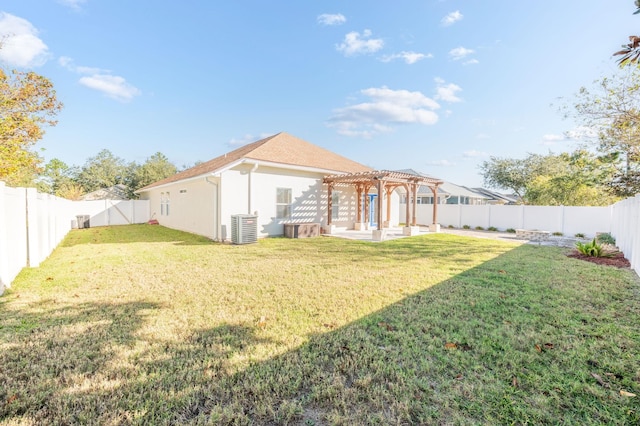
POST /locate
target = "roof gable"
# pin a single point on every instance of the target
(281, 148)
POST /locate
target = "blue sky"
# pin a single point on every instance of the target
(433, 85)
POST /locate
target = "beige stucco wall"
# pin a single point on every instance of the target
(192, 206)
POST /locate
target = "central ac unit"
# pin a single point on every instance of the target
(244, 228)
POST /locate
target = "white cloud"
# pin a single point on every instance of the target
(552, 138)
(102, 80)
(331, 19)
(385, 108)
(471, 62)
(354, 43)
(474, 154)
(441, 163)
(69, 64)
(452, 18)
(460, 53)
(248, 138)
(21, 46)
(409, 57)
(581, 133)
(73, 4)
(112, 86)
(447, 92)
(483, 136)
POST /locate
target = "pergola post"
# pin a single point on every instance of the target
(359, 225)
(387, 193)
(329, 227)
(414, 220)
(407, 220)
(380, 188)
(435, 226)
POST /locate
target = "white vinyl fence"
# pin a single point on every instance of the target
(33, 224)
(622, 220)
(626, 228)
(567, 220)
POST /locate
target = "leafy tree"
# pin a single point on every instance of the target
(70, 191)
(563, 179)
(506, 173)
(56, 175)
(156, 167)
(612, 111)
(630, 52)
(27, 103)
(102, 171)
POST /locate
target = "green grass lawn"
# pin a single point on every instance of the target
(145, 325)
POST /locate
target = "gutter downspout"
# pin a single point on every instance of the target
(249, 193)
(216, 207)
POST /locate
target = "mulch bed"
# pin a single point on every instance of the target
(618, 260)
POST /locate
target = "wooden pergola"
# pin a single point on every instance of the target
(385, 182)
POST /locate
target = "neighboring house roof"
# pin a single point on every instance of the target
(446, 188)
(116, 192)
(281, 148)
(509, 199)
(460, 191)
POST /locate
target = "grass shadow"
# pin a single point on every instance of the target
(515, 340)
(497, 344)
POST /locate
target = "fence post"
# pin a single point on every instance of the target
(4, 261)
(31, 207)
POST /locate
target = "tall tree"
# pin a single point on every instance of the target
(56, 175)
(27, 103)
(102, 171)
(564, 179)
(156, 167)
(612, 111)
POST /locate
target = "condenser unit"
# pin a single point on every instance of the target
(244, 228)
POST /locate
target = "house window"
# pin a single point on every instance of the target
(164, 204)
(283, 203)
(335, 205)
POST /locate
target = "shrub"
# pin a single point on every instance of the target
(466, 227)
(606, 238)
(579, 235)
(479, 228)
(450, 226)
(511, 230)
(592, 249)
(492, 228)
(557, 234)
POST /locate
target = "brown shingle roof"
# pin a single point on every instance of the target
(281, 148)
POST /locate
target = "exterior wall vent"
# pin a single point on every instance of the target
(244, 229)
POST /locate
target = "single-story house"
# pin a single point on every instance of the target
(448, 193)
(280, 179)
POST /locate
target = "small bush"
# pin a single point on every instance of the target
(492, 228)
(606, 238)
(450, 226)
(592, 249)
(579, 235)
(557, 234)
(466, 227)
(511, 231)
(479, 228)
